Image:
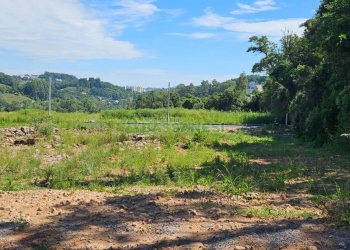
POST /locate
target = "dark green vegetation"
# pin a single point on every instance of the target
(69, 93)
(309, 76)
(231, 95)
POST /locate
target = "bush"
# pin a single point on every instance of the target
(43, 126)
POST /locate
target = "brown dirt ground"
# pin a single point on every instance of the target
(187, 220)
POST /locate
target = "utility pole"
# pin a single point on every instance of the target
(168, 111)
(50, 83)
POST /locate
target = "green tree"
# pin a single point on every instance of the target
(37, 89)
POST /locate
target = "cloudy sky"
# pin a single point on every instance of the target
(141, 42)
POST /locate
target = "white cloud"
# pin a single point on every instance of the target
(211, 20)
(122, 14)
(195, 35)
(134, 12)
(59, 29)
(272, 28)
(256, 7)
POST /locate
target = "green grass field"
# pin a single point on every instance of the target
(102, 156)
(108, 118)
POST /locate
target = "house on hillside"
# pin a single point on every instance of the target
(253, 86)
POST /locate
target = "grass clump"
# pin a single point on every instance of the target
(268, 212)
(44, 126)
(20, 223)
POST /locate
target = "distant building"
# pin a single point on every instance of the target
(28, 76)
(259, 88)
(253, 86)
(136, 89)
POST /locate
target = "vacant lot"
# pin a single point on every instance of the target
(100, 184)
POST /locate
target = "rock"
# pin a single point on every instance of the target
(232, 130)
(342, 245)
(28, 141)
(251, 196)
(138, 137)
(239, 248)
(195, 246)
(192, 212)
(25, 130)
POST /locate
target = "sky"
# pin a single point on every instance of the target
(142, 42)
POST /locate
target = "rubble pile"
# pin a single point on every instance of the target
(18, 136)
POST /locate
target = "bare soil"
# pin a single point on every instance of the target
(53, 219)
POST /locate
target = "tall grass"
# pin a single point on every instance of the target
(29, 117)
(188, 116)
(113, 117)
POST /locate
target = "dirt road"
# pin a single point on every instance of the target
(52, 219)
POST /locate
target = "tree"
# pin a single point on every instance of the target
(37, 89)
(309, 75)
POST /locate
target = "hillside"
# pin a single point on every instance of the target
(69, 93)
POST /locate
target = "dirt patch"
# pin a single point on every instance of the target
(189, 220)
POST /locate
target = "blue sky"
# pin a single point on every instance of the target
(142, 42)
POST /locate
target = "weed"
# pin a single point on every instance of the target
(200, 136)
(267, 212)
(345, 217)
(43, 126)
(20, 223)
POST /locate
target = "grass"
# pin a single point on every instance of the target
(268, 212)
(20, 223)
(188, 116)
(12, 98)
(101, 156)
(113, 118)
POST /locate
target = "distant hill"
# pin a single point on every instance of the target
(69, 93)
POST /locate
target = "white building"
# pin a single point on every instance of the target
(136, 89)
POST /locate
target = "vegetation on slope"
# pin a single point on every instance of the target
(309, 75)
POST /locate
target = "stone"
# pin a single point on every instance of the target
(138, 137)
(239, 248)
(195, 246)
(342, 245)
(192, 212)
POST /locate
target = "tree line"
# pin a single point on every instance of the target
(231, 95)
(309, 76)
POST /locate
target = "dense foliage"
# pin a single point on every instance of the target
(69, 93)
(231, 95)
(309, 76)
